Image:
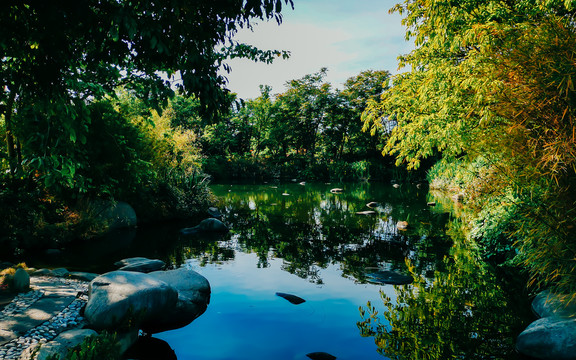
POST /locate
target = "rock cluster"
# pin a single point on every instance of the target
(121, 301)
(553, 336)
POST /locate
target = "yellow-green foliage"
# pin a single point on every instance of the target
(7, 275)
(491, 84)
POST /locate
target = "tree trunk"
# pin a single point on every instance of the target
(12, 157)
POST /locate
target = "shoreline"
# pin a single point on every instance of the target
(51, 307)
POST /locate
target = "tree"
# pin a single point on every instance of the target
(55, 60)
(307, 99)
(491, 85)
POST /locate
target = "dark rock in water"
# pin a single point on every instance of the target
(321, 356)
(141, 264)
(296, 300)
(214, 212)
(388, 277)
(206, 225)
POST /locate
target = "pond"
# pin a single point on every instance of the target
(335, 253)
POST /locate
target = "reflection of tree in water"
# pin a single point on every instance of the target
(461, 312)
(312, 228)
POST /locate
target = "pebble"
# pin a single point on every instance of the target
(67, 318)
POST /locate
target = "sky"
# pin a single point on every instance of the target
(345, 36)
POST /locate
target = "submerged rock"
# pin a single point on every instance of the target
(140, 264)
(387, 277)
(207, 225)
(550, 338)
(320, 356)
(293, 299)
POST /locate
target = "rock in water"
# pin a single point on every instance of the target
(296, 300)
(550, 338)
(140, 264)
(320, 356)
(373, 204)
(207, 225)
(386, 277)
(193, 299)
(120, 298)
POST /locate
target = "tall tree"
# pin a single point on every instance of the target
(491, 82)
(55, 58)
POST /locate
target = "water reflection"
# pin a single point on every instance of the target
(309, 228)
(462, 311)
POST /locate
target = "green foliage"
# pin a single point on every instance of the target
(462, 313)
(58, 61)
(490, 90)
(310, 131)
(101, 347)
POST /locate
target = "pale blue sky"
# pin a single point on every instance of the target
(347, 37)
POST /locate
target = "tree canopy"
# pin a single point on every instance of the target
(491, 82)
(55, 59)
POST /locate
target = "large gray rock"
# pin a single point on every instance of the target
(21, 280)
(140, 264)
(549, 304)
(550, 338)
(193, 299)
(207, 225)
(116, 214)
(66, 340)
(121, 299)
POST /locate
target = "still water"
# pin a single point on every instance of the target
(304, 240)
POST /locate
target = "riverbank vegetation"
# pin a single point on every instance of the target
(92, 110)
(83, 89)
(491, 92)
